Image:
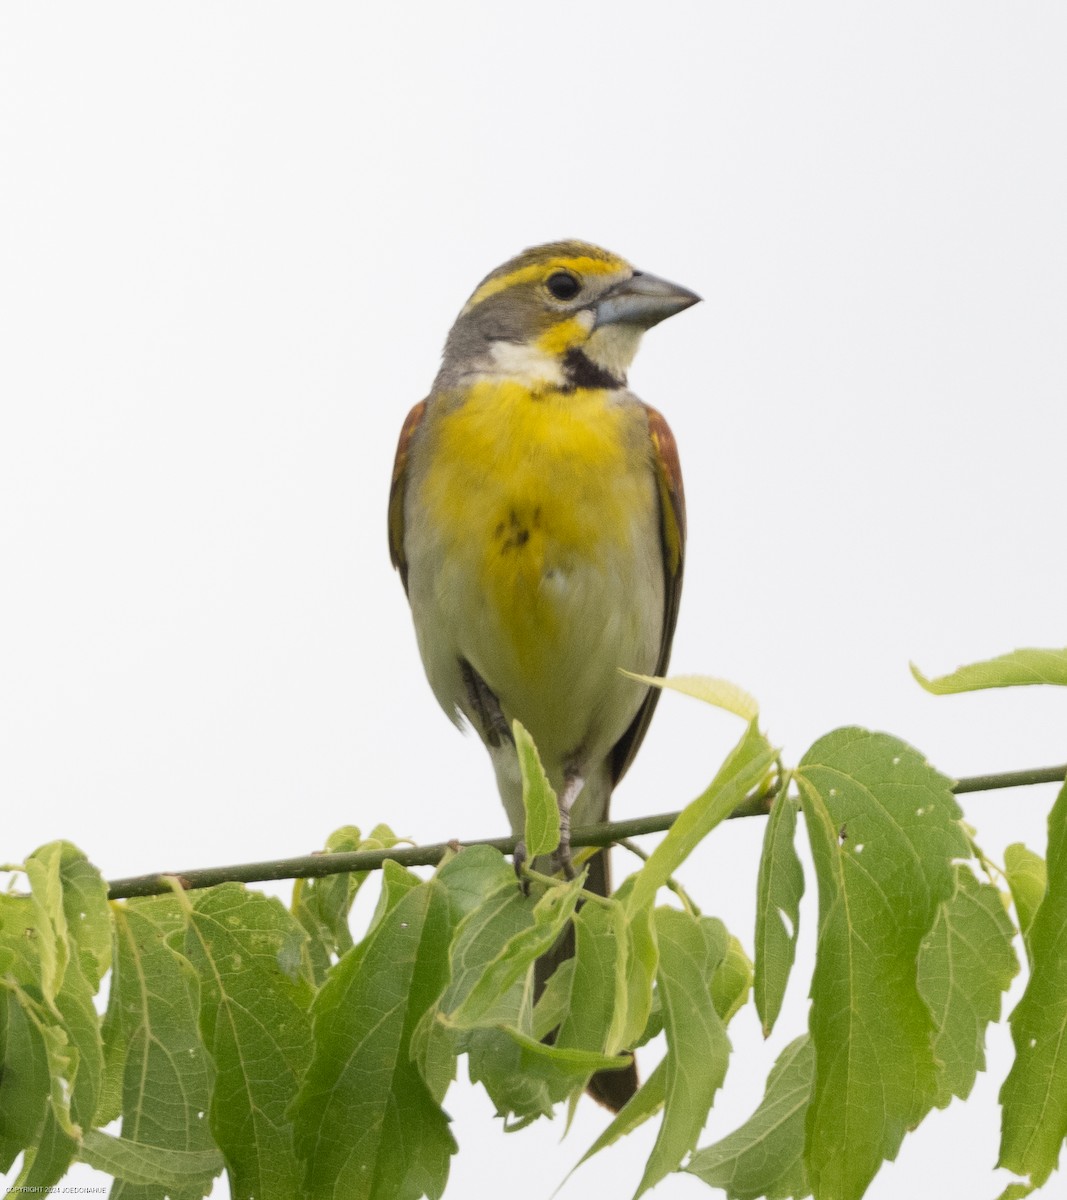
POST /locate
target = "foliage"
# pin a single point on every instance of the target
(267, 1042)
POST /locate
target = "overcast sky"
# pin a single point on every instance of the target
(232, 240)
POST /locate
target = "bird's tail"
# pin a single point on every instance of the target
(611, 1088)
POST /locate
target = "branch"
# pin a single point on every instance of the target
(313, 866)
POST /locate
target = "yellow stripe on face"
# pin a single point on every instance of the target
(580, 265)
(560, 338)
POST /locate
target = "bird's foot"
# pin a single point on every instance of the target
(518, 861)
(572, 786)
(483, 701)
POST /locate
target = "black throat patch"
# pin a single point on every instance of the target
(582, 372)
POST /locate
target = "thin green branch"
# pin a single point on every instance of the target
(311, 866)
(990, 783)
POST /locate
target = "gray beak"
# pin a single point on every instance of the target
(642, 300)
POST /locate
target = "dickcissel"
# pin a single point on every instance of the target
(538, 523)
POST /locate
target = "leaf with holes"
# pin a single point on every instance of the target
(779, 888)
(256, 1026)
(167, 1075)
(884, 831)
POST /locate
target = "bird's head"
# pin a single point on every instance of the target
(563, 315)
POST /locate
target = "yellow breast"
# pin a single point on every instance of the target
(526, 490)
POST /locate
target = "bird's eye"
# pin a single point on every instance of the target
(563, 285)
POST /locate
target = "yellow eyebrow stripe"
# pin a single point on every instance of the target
(582, 265)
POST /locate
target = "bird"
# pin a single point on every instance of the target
(537, 521)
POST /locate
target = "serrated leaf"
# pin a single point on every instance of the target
(1028, 880)
(779, 888)
(697, 1047)
(153, 1167)
(538, 799)
(167, 1075)
(744, 767)
(365, 1124)
(884, 831)
(255, 1022)
(641, 1107)
(1018, 668)
(965, 963)
(1034, 1095)
(719, 692)
(765, 1156)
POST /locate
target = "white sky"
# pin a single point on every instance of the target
(232, 240)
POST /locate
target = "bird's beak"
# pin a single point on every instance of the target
(642, 300)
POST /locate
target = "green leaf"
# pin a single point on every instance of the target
(577, 1065)
(487, 1000)
(884, 831)
(966, 961)
(1034, 1096)
(538, 799)
(396, 881)
(55, 948)
(778, 891)
(719, 692)
(167, 1077)
(366, 1126)
(1027, 879)
(765, 1156)
(255, 1023)
(597, 945)
(109, 1105)
(517, 1084)
(25, 1084)
(732, 981)
(643, 1105)
(642, 961)
(86, 911)
(474, 873)
(1017, 1191)
(1018, 668)
(180, 1171)
(744, 767)
(322, 905)
(697, 1046)
(51, 943)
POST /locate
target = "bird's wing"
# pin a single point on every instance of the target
(672, 539)
(397, 489)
